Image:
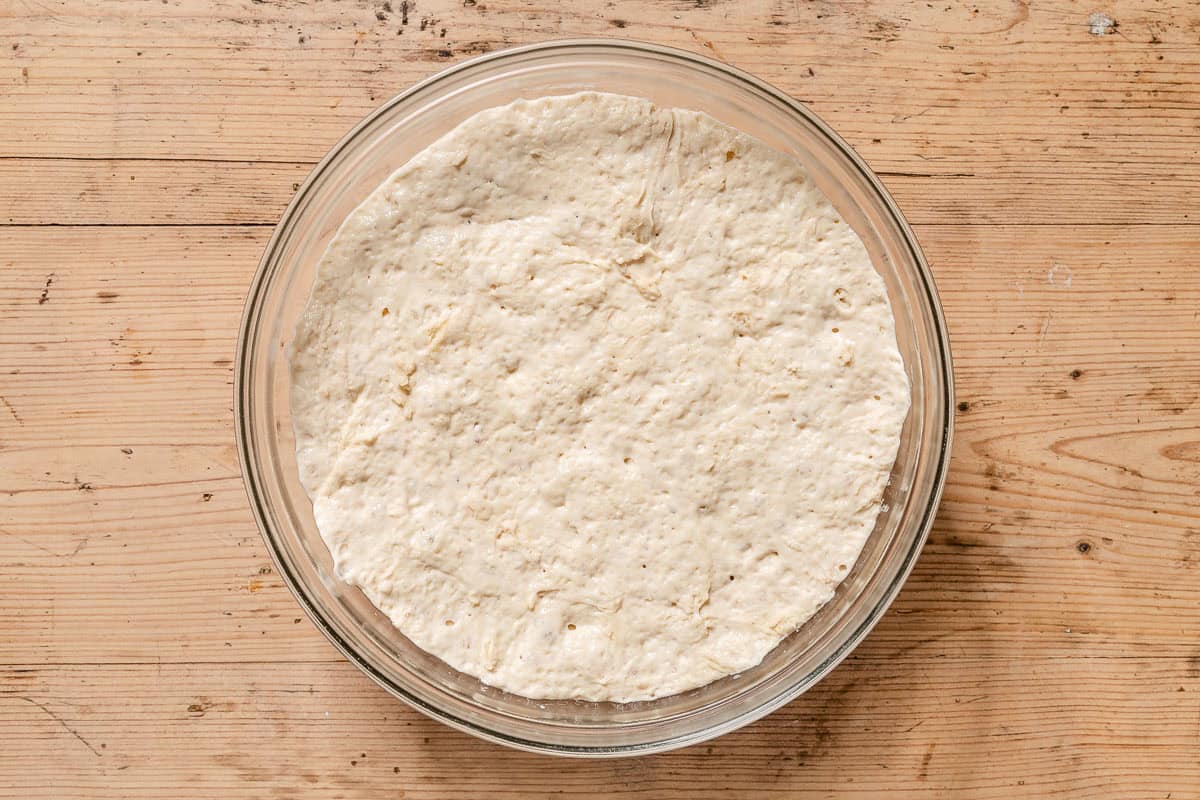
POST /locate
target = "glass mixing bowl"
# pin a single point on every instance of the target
(386, 140)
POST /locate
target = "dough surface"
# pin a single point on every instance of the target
(596, 399)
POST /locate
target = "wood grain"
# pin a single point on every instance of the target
(1045, 645)
(321, 730)
(973, 109)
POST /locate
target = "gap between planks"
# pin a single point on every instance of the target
(34, 666)
(982, 224)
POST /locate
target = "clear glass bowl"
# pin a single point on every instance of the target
(386, 140)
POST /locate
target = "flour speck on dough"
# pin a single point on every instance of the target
(596, 399)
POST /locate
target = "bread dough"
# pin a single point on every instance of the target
(596, 399)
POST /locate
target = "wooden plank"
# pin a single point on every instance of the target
(153, 192)
(972, 114)
(121, 495)
(947, 726)
(107, 191)
(1075, 464)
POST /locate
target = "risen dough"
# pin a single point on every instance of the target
(596, 399)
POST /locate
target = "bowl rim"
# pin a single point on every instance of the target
(251, 321)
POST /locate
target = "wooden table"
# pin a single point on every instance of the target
(1048, 643)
